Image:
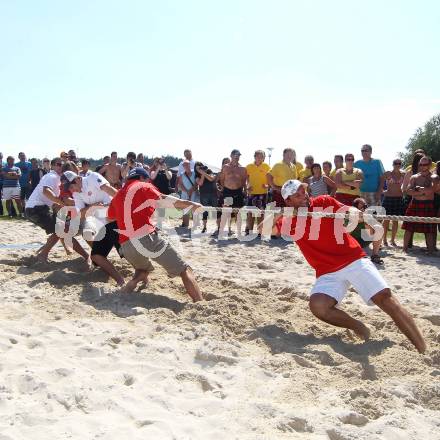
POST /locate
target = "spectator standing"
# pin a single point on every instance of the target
(421, 189)
(129, 165)
(372, 170)
(393, 199)
(112, 170)
(318, 184)
(348, 180)
(46, 166)
(338, 160)
(307, 171)
(257, 186)
(207, 188)
(85, 168)
(161, 176)
(25, 168)
(35, 174)
(298, 165)
(280, 173)
(189, 189)
(11, 186)
(187, 154)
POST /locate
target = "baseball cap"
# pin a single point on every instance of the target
(68, 177)
(138, 172)
(290, 188)
(235, 152)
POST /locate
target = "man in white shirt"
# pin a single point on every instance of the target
(44, 197)
(89, 191)
(188, 157)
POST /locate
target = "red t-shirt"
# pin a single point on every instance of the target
(123, 206)
(324, 243)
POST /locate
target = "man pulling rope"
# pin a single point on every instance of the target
(339, 263)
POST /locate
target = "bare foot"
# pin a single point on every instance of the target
(129, 287)
(362, 331)
(41, 258)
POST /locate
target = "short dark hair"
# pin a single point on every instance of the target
(10, 157)
(83, 161)
(112, 153)
(131, 155)
(55, 160)
(326, 162)
(316, 165)
(288, 149)
(339, 156)
(367, 146)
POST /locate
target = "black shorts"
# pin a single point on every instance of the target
(42, 217)
(110, 240)
(236, 195)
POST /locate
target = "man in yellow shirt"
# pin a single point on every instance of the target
(338, 160)
(256, 185)
(307, 171)
(280, 173)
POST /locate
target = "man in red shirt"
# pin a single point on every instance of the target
(140, 241)
(339, 261)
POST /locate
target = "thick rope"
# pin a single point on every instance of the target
(320, 214)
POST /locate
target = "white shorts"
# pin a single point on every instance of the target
(362, 274)
(11, 193)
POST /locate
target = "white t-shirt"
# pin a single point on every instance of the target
(181, 170)
(37, 198)
(91, 191)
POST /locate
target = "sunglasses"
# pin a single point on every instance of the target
(349, 160)
(397, 163)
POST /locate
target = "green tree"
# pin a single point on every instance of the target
(426, 138)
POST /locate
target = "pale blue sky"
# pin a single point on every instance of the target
(321, 76)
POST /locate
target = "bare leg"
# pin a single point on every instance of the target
(406, 240)
(185, 220)
(108, 268)
(191, 285)
(394, 228)
(43, 252)
(386, 224)
(404, 321)
(430, 241)
(323, 307)
(80, 250)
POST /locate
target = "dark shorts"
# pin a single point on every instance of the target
(420, 208)
(110, 240)
(25, 192)
(236, 195)
(257, 200)
(394, 205)
(208, 200)
(43, 217)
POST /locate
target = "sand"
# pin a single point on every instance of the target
(81, 361)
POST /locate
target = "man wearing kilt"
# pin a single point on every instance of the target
(393, 202)
(421, 189)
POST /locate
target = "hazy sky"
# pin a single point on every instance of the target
(321, 76)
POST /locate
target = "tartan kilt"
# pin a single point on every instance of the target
(393, 205)
(420, 208)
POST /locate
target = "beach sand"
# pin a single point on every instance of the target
(81, 361)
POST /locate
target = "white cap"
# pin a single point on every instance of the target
(290, 188)
(70, 175)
